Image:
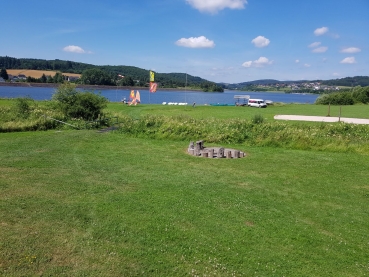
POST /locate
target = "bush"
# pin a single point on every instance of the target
(361, 95)
(356, 95)
(23, 107)
(75, 104)
(336, 98)
(257, 119)
(87, 106)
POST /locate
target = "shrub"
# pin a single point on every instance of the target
(22, 107)
(356, 95)
(257, 119)
(334, 137)
(75, 104)
(361, 95)
(336, 98)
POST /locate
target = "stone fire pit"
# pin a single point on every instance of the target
(198, 149)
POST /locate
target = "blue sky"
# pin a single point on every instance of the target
(227, 41)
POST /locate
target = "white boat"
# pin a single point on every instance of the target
(269, 102)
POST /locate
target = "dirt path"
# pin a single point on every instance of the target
(322, 119)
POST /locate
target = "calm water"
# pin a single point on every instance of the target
(201, 98)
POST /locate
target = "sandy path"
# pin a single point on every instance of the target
(322, 119)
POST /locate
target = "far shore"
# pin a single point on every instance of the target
(94, 87)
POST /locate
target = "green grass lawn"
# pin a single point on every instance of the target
(225, 112)
(81, 203)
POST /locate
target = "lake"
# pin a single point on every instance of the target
(175, 96)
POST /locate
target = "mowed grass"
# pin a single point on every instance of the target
(82, 203)
(37, 73)
(226, 112)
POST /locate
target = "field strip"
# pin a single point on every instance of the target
(322, 119)
(37, 73)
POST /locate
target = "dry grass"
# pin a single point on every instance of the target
(37, 73)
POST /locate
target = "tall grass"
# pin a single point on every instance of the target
(213, 124)
(333, 137)
(25, 114)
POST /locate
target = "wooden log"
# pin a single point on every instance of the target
(229, 154)
(236, 154)
(211, 153)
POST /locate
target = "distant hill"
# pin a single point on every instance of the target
(166, 79)
(136, 73)
(347, 82)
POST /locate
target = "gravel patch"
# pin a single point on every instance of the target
(322, 119)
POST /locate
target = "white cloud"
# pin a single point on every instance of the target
(199, 42)
(247, 64)
(262, 61)
(321, 31)
(260, 41)
(336, 74)
(307, 65)
(348, 60)
(314, 44)
(213, 6)
(351, 50)
(74, 49)
(297, 61)
(321, 49)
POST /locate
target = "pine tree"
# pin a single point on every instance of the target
(4, 74)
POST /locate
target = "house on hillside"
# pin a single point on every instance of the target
(22, 77)
(12, 78)
(72, 78)
(2, 80)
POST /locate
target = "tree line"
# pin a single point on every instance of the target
(356, 95)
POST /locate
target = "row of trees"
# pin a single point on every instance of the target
(37, 64)
(58, 79)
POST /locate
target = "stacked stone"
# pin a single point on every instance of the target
(200, 150)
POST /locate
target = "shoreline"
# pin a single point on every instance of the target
(94, 87)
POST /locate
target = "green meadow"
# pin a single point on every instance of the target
(134, 203)
(230, 112)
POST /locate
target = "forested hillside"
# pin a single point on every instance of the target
(132, 75)
(348, 81)
(345, 82)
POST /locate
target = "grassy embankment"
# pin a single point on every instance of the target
(224, 125)
(81, 203)
(237, 125)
